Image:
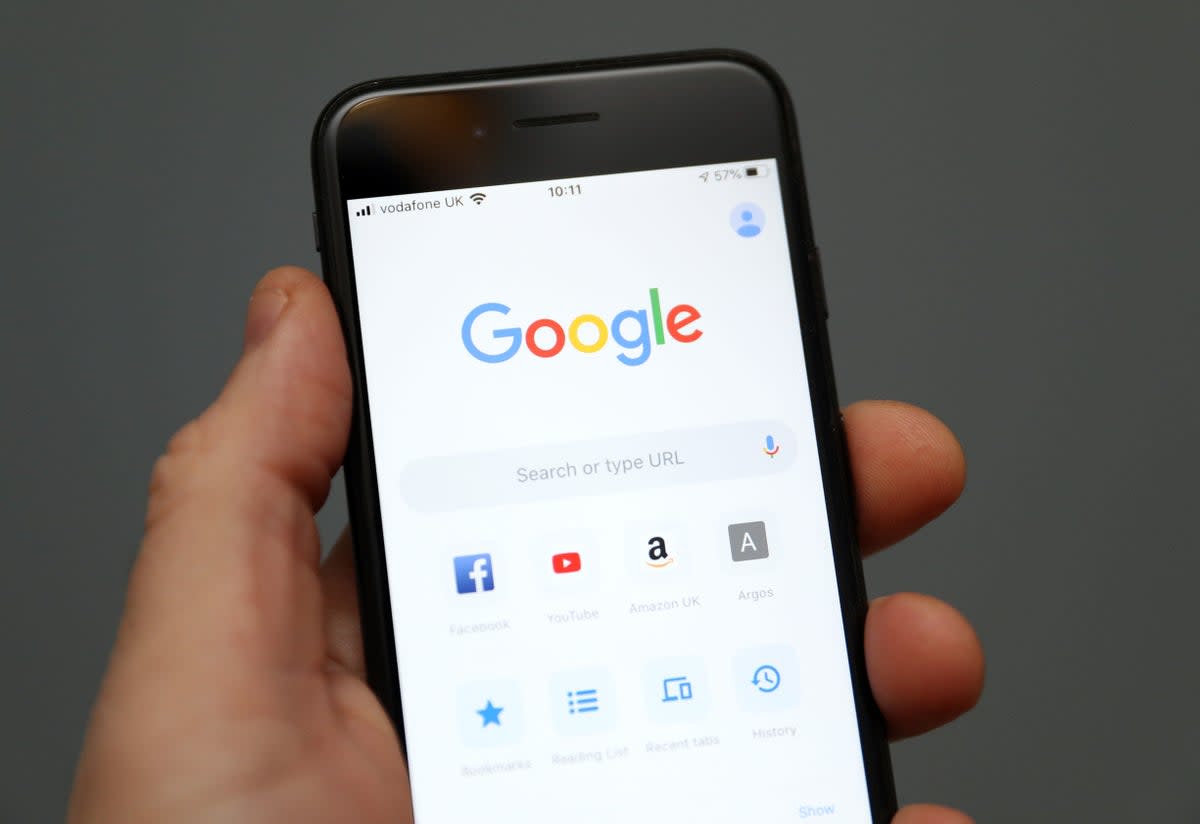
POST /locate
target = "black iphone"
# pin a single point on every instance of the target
(598, 485)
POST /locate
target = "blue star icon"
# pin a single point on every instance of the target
(490, 714)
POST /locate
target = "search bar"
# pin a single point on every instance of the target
(597, 467)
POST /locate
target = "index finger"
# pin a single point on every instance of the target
(908, 468)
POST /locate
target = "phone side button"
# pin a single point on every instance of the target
(814, 264)
(316, 233)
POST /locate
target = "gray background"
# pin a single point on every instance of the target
(1006, 198)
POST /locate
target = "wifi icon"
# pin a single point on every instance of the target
(478, 197)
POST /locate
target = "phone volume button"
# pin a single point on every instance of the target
(818, 278)
(316, 233)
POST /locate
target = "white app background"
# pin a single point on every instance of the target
(595, 723)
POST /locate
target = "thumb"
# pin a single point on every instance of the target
(229, 560)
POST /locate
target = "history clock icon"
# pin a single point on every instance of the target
(766, 678)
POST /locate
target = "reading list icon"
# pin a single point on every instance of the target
(748, 541)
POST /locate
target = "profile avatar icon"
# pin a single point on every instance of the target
(746, 219)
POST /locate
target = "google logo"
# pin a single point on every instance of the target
(553, 338)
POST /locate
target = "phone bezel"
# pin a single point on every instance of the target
(656, 111)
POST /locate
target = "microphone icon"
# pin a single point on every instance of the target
(772, 448)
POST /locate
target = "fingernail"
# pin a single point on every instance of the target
(266, 305)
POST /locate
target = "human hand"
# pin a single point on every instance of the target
(236, 689)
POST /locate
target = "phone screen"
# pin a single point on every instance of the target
(607, 545)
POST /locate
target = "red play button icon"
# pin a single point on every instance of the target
(565, 562)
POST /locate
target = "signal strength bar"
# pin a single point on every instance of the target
(363, 212)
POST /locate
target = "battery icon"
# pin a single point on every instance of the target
(756, 171)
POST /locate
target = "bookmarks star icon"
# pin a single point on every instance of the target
(490, 714)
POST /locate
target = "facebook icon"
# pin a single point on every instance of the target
(473, 573)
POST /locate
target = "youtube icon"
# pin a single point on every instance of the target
(565, 562)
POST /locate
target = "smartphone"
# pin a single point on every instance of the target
(598, 483)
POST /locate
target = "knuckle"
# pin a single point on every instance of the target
(171, 470)
(188, 438)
